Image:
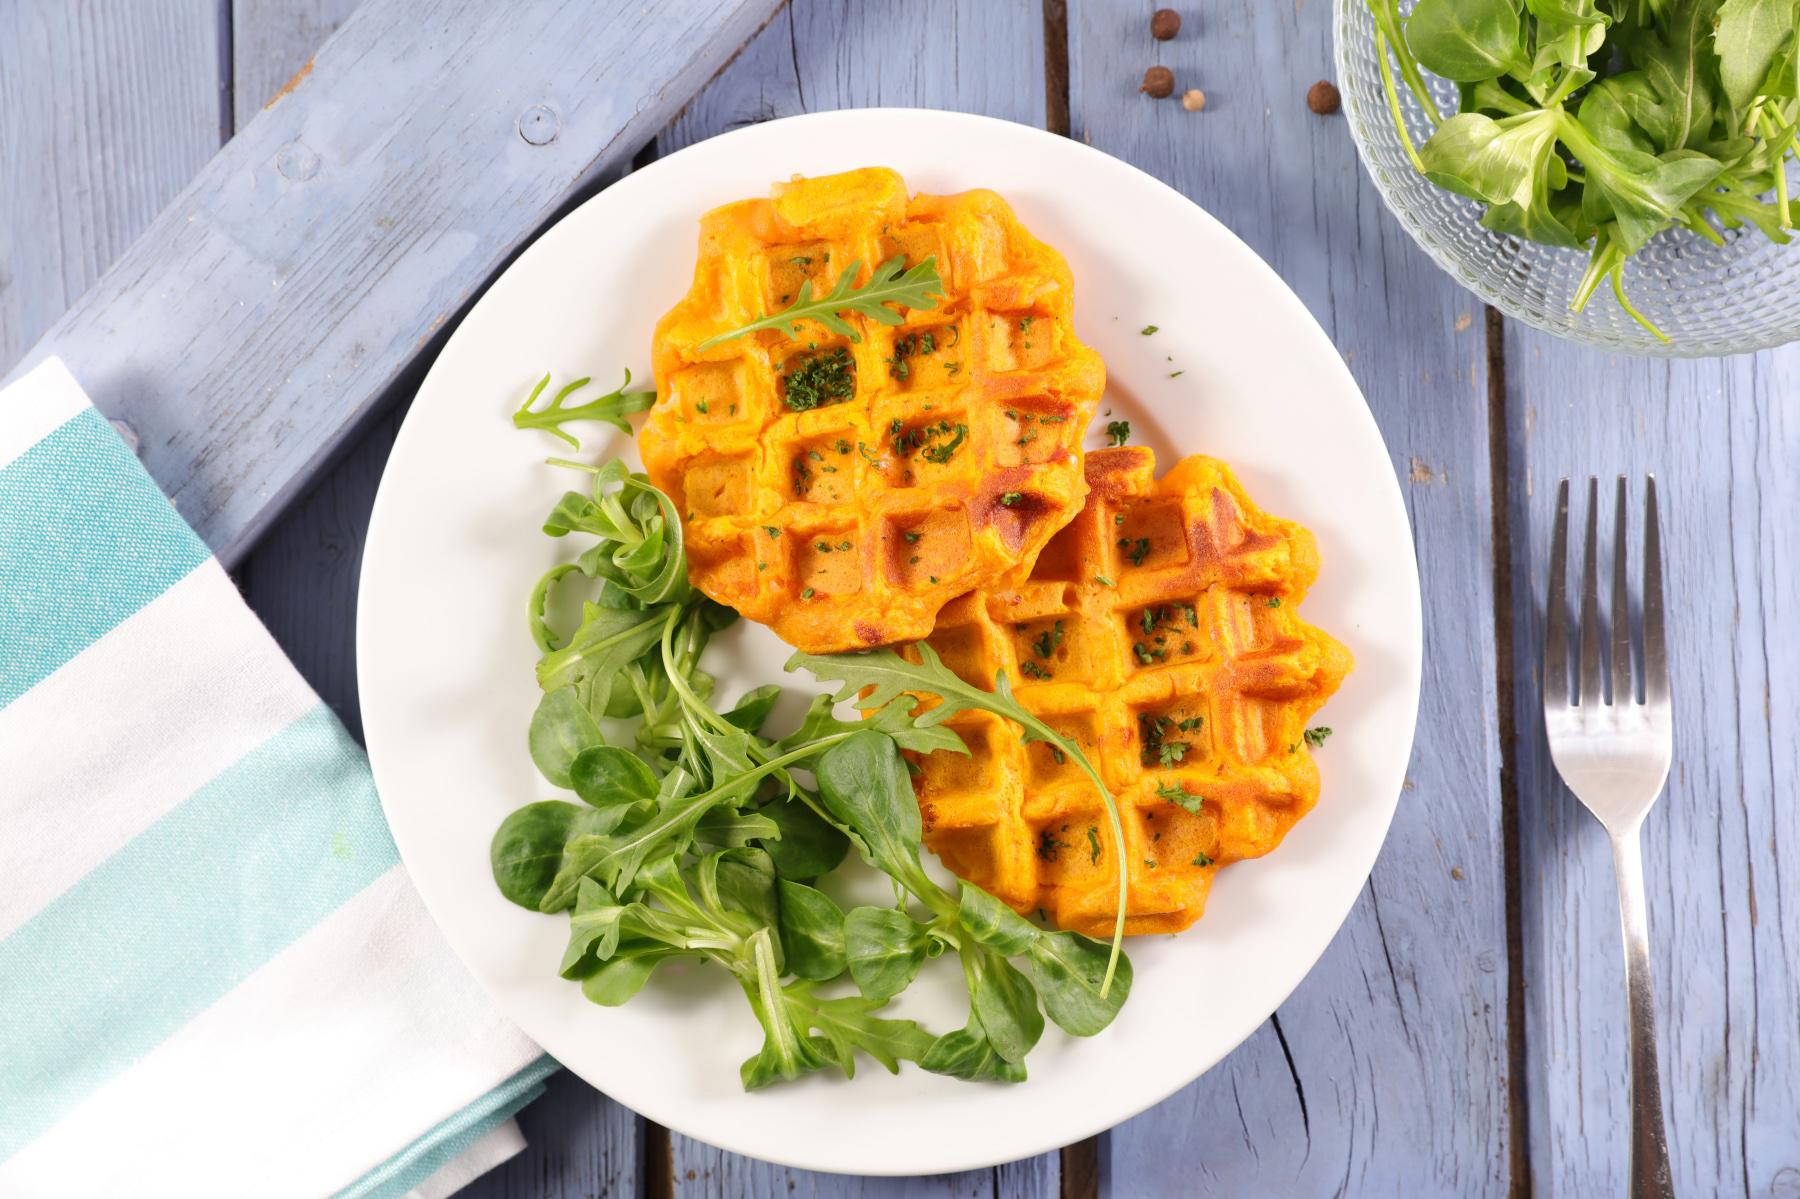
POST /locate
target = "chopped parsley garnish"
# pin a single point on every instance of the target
(1274, 601)
(940, 454)
(1032, 670)
(912, 536)
(821, 379)
(1315, 737)
(701, 408)
(1104, 581)
(801, 260)
(1201, 859)
(807, 594)
(843, 547)
(1011, 499)
(1136, 550)
(1176, 794)
(772, 531)
(1148, 330)
(1176, 374)
(1118, 432)
(822, 547)
(1048, 844)
(950, 368)
(1093, 844)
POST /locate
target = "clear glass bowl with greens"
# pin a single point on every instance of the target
(1732, 296)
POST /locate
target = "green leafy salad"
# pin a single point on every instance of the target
(1600, 123)
(695, 832)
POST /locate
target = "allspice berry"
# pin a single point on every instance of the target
(1193, 99)
(1159, 83)
(1165, 23)
(1323, 98)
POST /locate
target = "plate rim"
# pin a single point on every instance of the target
(1297, 318)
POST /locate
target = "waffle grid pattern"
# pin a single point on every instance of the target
(952, 461)
(1160, 632)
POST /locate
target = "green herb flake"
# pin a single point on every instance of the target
(1093, 845)
(1315, 736)
(1147, 330)
(1118, 432)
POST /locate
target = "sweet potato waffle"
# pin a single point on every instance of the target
(841, 489)
(1159, 631)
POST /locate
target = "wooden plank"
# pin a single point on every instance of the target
(1723, 438)
(301, 578)
(974, 55)
(271, 40)
(106, 112)
(245, 334)
(1386, 1072)
(574, 1150)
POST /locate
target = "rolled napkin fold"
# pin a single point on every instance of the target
(215, 976)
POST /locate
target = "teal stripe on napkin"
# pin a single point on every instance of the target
(194, 904)
(86, 539)
(446, 1142)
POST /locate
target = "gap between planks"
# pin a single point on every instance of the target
(1505, 674)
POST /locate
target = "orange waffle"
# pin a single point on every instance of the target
(946, 451)
(1159, 631)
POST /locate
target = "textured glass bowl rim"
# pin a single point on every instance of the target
(1346, 27)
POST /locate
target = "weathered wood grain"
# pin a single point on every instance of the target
(106, 112)
(1723, 438)
(1385, 1073)
(982, 56)
(245, 334)
(272, 41)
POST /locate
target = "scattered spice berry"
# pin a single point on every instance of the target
(1323, 98)
(1159, 83)
(1193, 99)
(1165, 23)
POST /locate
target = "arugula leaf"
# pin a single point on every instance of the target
(1468, 40)
(878, 678)
(611, 408)
(1749, 38)
(805, 844)
(917, 288)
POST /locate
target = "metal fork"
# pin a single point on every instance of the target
(1615, 757)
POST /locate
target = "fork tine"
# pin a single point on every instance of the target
(1622, 690)
(1656, 649)
(1589, 684)
(1556, 608)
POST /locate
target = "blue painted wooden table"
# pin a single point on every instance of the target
(1463, 1035)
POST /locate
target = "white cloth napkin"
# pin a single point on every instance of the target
(215, 977)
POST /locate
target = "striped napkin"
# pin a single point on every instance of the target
(215, 977)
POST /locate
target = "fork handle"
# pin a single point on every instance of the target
(1649, 1142)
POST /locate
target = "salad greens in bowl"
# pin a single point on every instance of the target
(1612, 171)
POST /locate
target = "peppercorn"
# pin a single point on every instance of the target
(1159, 83)
(1165, 23)
(1323, 98)
(1193, 99)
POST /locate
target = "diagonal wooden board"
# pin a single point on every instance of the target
(247, 331)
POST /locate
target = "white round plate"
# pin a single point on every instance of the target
(446, 664)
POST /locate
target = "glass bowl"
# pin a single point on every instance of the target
(1708, 299)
